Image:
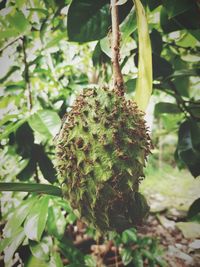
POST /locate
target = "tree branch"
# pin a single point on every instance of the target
(117, 75)
(9, 44)
(26, 74)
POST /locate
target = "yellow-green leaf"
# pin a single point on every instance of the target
(144, 81)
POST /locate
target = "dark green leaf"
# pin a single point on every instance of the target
(137, 259)
(88, 20)
(177, 7)
(12, 127)
(36, 221)
(156, 42)
(168, 25)
(31, 188)
(161, 67)
(8, 33)
(130, 85)
(154, 4)
(56, 221)
(164, 107)
(186, 151)
(194, 209)
(45, 164)
(28, 171)
(41, 250)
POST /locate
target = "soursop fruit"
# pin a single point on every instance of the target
(101, 150)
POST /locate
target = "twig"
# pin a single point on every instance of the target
(117, 75)
(26, 74)
(9, 44)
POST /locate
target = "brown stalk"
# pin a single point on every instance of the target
(117, 75)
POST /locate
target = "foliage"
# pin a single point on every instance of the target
(50, 50)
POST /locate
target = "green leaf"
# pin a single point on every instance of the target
(12, 127)
(137, 259)
(19, 21)
(177, 7)
(90, 261)
(18, 217)
(165, 107)
(41, 250)
(156, 41)
(129, 236)
(56, 221)
(56, 260)
(88, 20)
(130, 85)
(45, 164)
(161, 67)
(8, 33)
(33, 262)
(154, 4)
(71, 218)
(126, 255)
(31, 188)
(36, 221)
(144, 81)
(45, 122)
(7, 118)
(186, 151)
(194, 209)
(28, 171)
(17, 239)
(39, 10)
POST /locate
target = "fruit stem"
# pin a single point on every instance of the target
(117, 75)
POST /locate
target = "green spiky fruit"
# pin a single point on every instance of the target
(101, 151)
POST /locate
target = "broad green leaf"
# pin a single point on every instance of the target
(40, 10)
(45, 122)
(31, 188)
(144, 81)
(18, 217)
(129, 235)
(36, 221)
(56, 221)
(41, 250)
(19, 21)
(4, 243)
(126, 255)
(71, 218)
(165, 107)
(88, 20)
(8, 33)
(177, 7)
(17, 239)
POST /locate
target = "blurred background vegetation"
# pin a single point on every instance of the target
(50, 50)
